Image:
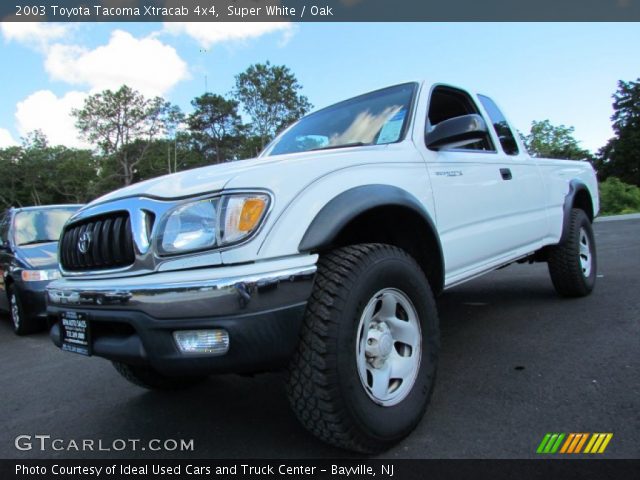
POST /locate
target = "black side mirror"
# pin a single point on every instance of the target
(457, 132)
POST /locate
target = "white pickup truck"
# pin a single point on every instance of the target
(323, 255)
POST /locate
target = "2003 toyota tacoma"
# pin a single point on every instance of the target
(323, 255)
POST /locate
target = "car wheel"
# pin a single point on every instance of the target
(149, 378)
(22, 325)
(573, 262)
(363, 372)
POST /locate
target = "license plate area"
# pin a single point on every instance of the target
(75, 332)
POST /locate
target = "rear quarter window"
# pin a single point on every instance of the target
(500, 126)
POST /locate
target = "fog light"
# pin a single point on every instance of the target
(214, 342)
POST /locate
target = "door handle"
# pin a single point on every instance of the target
(506, 173)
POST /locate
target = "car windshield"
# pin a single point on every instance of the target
(40, 226)
(376, 118)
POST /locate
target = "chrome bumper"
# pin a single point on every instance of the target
(219, 291)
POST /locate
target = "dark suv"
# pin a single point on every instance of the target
(29, 261)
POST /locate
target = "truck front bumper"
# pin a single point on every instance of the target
(132, 319)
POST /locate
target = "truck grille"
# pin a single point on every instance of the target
(98, 243)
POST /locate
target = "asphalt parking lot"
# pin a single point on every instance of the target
(516, 362)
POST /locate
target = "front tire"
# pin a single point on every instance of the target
(573, 262)
(365, 366)
(149, 378)
(22, 325)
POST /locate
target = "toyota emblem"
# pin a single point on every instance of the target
(84, 242)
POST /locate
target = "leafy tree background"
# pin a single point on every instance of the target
(123, 125)
(620, 157)
(618, 197)
(216, 127)
(548, 141)
(270, 95)
(136, 138)
(617, 163)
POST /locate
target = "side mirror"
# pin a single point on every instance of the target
(457, 132)
(5, 246)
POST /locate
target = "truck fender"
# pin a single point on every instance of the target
(347, 206)
(577, 188)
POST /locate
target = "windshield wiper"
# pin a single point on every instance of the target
(35, 242)
(344, 145)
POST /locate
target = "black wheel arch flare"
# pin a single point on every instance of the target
(577, 197)
(341, 210)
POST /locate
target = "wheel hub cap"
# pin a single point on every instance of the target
(15, 312)
(379, 344)
(389, 347)
(585, 253)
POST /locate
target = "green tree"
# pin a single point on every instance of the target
(37, 173)
(249, 146)
(549, 141)
(620, 157)
(215, 125)
(73, 175)
(35, 159)
(270, 95)
(115, 120)
(168, 156)
(617, 197)
(11, 185)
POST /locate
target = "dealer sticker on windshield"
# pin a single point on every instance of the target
(74, 332)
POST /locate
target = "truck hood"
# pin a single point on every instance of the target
(189, 182)
(216, 177)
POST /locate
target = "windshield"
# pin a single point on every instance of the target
(376, 118)
(40, 226)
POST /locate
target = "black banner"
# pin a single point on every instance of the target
(320, 469)
(319, 11)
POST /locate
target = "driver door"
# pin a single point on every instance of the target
(473, 195)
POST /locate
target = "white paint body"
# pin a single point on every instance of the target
(483, 221)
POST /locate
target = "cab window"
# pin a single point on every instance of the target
(446, 103)
(500, 125)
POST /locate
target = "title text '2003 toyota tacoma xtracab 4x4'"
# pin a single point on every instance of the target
(323, 255)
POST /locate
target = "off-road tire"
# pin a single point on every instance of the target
(324, 387)
(567, 272)
(151, 379)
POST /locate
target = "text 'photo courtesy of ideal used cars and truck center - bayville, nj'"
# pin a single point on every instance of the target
(233, 231)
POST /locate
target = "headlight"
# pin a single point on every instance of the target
(190, 227)
(211, 223)
(39, 275)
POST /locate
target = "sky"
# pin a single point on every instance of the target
(564, 72)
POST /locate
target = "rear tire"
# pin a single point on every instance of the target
(573, 262)
(365, 366)
(149, 378)
(22, 325)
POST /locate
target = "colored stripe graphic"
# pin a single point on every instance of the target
(543, 443)
(598, 443)
(556, 445)
(573, 443)
(550, 443)
(565, 447)
(581, 442)
(576, 439)
(594, 437)
(603, 447)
